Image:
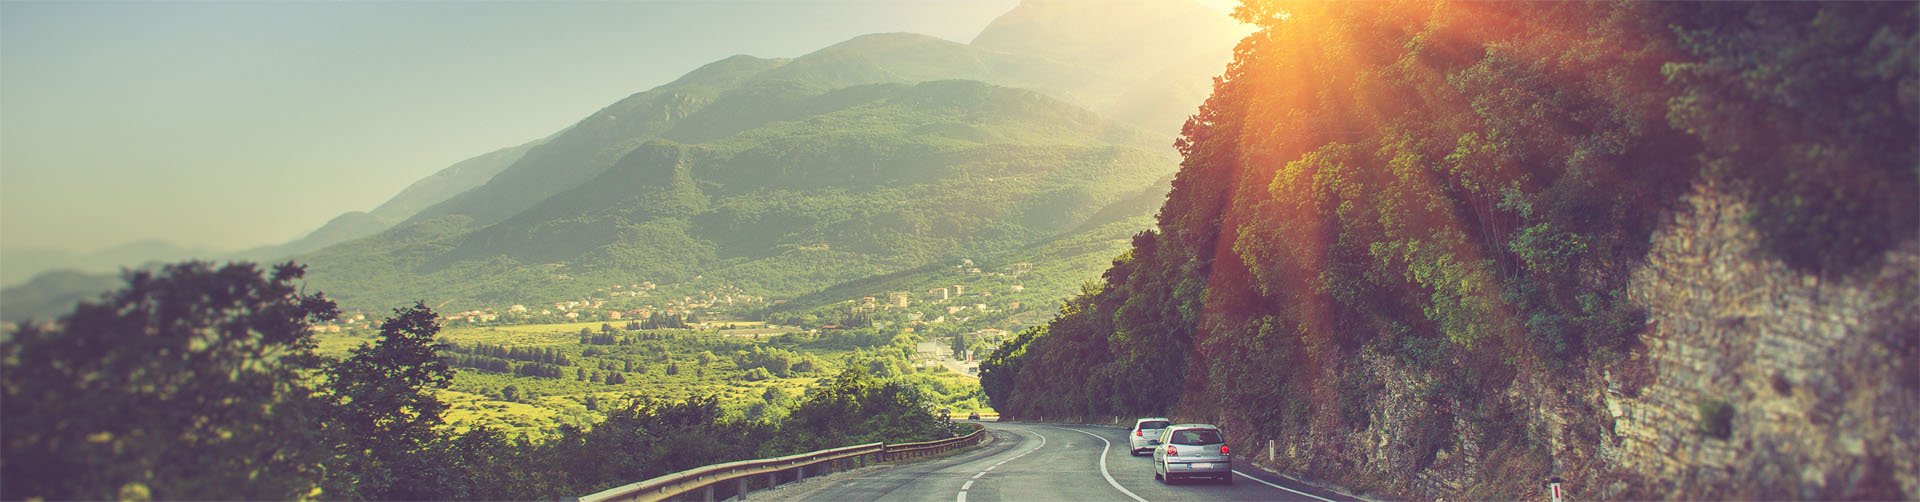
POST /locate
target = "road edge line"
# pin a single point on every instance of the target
(1264, 482)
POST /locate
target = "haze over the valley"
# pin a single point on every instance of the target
(167, 130)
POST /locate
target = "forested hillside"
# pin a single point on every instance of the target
(844, 184)
(1410, 242)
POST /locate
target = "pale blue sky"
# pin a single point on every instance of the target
(235, 124)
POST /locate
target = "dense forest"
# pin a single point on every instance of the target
(1461, 190)
(203, 382)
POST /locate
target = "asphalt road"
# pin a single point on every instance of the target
(1043, 462)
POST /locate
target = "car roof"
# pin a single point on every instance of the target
(1193, 426)
(1162, 419)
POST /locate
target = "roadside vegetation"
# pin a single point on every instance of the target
(206, 382)
(1460, 191)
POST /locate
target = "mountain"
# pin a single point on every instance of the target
(1144, 62)
(789, 175)
(1087, 65)
(433, 189)
(588, 147)
(447, 183)
(19, 265)
(842, 184)
(53, 281)
(52, 293)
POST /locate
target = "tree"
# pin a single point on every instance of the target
(193, 382)
(385, 407)
(959, 345)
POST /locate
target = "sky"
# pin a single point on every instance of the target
(229, 125)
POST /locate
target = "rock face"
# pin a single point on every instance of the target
(1752, 381)
(1767, 383)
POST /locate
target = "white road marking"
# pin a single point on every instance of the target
(1103, 463)
(1264, 482)
(962, 497)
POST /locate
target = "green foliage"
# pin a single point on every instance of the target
(203, 382)
(193, 382)
(1814, 107)
(1464, 189)
(855, 407)
(385, 408)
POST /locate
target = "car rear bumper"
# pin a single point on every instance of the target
(1200, 468)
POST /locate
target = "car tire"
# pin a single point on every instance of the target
(1227, 479)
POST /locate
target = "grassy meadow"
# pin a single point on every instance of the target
(529, 380)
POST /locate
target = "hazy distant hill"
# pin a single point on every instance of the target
(52, 293)
(19, 265)
(590, 146)
(847, 183)
(1147, 63)
(789, 176)
(440, 186)
(1144, 62)
(792, 175)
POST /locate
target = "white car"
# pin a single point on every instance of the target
(1192, 451)
(1145, 431)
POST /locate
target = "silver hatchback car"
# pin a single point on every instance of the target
(1192, 451)
(1145, 431)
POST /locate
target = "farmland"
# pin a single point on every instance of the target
(530, 380)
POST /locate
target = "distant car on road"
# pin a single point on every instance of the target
(1145, 430)
(973, 416)
(1191, 451)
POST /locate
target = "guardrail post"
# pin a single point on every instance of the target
(800, 473)
(740, 487)
(706, 494)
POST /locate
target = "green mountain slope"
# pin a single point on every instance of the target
(590, 146)
(853, 182)
(787, 176)
(1100, 67)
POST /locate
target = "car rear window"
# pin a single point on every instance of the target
(1197, 436)
(1153, 424)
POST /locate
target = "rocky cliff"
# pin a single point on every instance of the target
(1754, 381)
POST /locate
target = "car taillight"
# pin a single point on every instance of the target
(1223, 449)
(1172, 452)
(1140, 433)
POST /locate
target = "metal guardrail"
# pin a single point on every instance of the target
(712, 482)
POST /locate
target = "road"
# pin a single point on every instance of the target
(1048, 462)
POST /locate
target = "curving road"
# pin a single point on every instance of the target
(1050, 462)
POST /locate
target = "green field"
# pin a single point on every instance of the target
(740, 366)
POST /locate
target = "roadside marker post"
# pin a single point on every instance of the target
(1553, 489)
